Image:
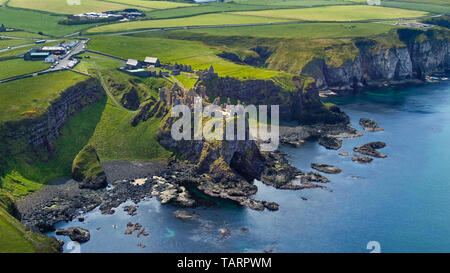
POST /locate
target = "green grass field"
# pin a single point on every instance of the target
(4, 43)
(297, 3)
(194, 53)
(152, 4)
(23, 34)
(302, 31)
(430, 6)
(61, 6)
(16, 67)
(338, 13)
(37, 22)
(200, 20)
(33, 93)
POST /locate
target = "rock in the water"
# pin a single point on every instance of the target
(370, 125)
(314, 177)
(331, 143)
(131, 210)
(344, 154)
(362, 159)
(185, 215)
(77, 234)
(326, 168)
(141, 245)
(271, 205)
(170, 193)
(132, 228)
(370, 149)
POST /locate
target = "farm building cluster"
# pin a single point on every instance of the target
(126, 15)
(52, 54)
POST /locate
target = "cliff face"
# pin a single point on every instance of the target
(417, 54)
(41, 131)
(301, 104)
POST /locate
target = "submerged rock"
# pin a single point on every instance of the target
(344, 154)
(330, 143)
(370, 125)
(370, 149)
(185, 215)
(315, 177)
(326, 168)
(362, 159)
(77, 234)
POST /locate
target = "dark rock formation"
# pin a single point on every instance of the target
(331, 143)
(132, 228)
(362, 159)
(130, 99)
(87, 170)
(77, 234)
(149, 109)
(326, 168)
(370, 125)
(131, 210)
(370, 149)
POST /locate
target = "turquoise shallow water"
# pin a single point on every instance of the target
(402, 202)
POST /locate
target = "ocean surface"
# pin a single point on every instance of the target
(402, 203)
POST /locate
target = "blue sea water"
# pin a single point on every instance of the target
(402, 202)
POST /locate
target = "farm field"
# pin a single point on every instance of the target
(194, 53)
(23, 34)
(152, 4)
(430, 6)
(33, 93)
(204, 9)
(16, 67)
(4, 43)
(338, 13)
(297, 3)
(37, 22)
(200, 20)
(302, 31)
(61, 6)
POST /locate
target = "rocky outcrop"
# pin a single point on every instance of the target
(413, 55)
(326, 168)
(371, 149)
(130, 99)
(301, 103)
(77, 234)
(330, 143)
(87, 170)
(370, 125)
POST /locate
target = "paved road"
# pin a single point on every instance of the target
(25, 45)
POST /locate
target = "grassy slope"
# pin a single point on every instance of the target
(301, 3)
(37, 21)
(338, 13)
(302, 31)
(23, 34)
(17, 67)
(61, 6)
(200, 20)
(196, 54)
(33, 93)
